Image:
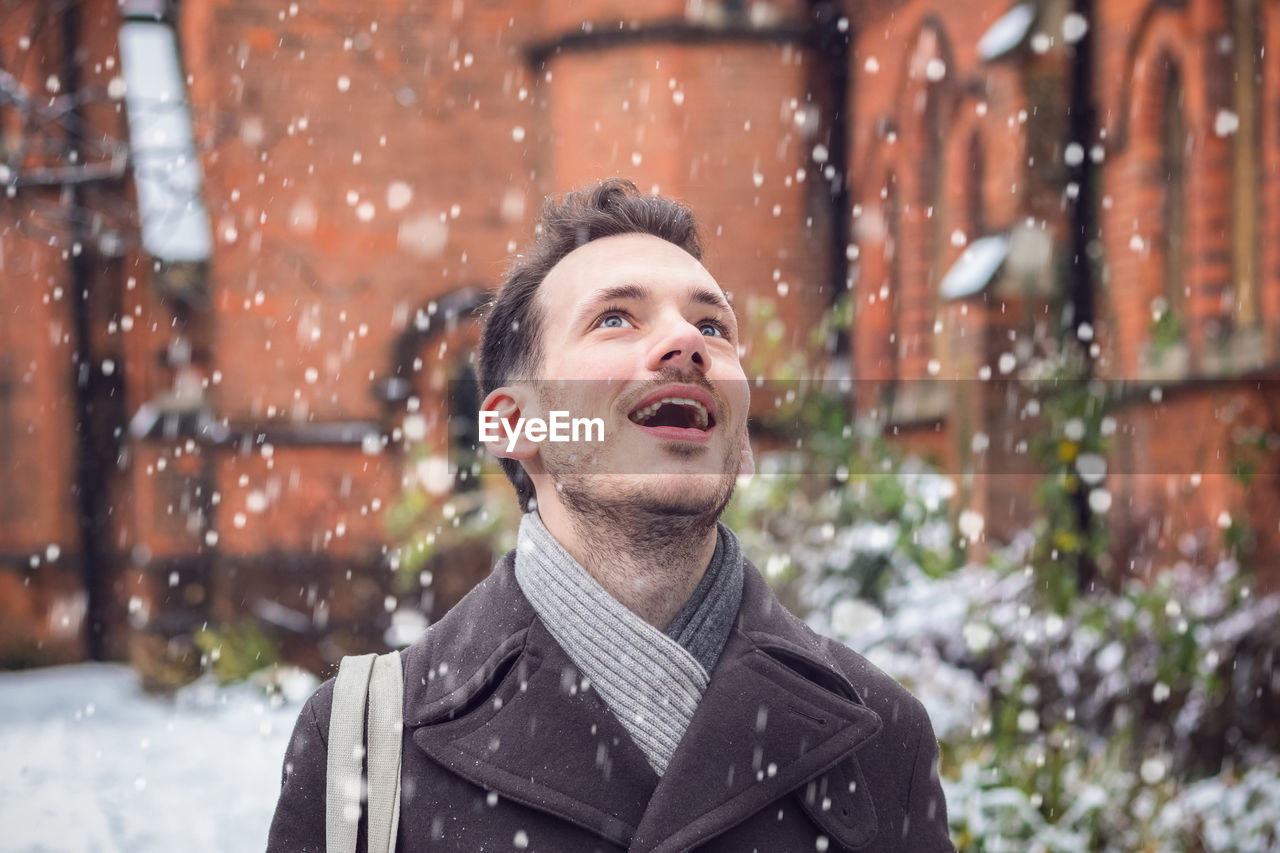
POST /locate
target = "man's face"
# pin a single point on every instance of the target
(637, 333)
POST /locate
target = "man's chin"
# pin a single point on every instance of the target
(679, 494)
(654, 495)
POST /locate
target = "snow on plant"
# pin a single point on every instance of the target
(1139, 717)
(1225, 813)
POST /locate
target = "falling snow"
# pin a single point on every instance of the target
(1226, 123)
(91, 762)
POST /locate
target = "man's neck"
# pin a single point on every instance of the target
(650, 565)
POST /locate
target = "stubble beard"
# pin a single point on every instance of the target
(658, 523)
(644, 545)
(649, 519)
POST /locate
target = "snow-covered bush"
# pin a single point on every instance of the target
(1141, 718)
(1226, 813)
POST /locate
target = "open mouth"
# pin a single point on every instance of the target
(679, 412)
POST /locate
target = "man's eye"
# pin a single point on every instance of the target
(712, 330)
(614, 321)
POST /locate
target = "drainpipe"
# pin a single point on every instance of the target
(90, 482)
(1082, 127)
(831, 43)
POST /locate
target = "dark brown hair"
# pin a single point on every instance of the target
(511, 343)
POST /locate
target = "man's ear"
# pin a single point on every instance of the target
(501, 423)
(748, 466)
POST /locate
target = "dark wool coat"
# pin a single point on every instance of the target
(799, 744)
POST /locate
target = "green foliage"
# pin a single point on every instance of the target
(1166, 330)
(1072, 716)
(235, 651)
(1099, 719)
(769, 353)
(1071, 540)
(425, 524)
(1250, 448)
(834, 488)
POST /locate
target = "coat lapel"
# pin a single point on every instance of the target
(540, 736)
(761, 732)
(491, 696)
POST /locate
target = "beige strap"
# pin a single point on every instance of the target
(386, 732)
(346, 753)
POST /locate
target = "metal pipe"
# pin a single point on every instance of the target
(1082, 128)
(90, 485)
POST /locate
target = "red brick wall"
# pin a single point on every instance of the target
(892, 93)
(1136, 48)
(1178, 486)
(42, 605)
(909, 61)
(1024, 97)
(1163, 506)
(363, 160)
(350, 185)
(729, 128)
(1270, 254)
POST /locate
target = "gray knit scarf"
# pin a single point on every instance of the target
(651, 680)
(702, 626)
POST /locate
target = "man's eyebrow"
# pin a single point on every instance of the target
(617, 293)
(705, 296)
(601, 298)
(635, 292)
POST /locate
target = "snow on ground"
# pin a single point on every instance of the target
(88, 762)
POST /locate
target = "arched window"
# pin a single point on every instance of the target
(878, 332)
(975, 209)
(891, 294)
(929, 96)
(931, 175)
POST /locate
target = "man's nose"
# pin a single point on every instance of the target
(680, 345)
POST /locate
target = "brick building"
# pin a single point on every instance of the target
(218, 430)
(1118, 161)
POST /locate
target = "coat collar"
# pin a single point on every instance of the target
(491, 696)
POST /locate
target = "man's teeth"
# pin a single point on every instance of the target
(700, 417)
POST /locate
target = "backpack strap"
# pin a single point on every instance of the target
(346, 754)
(375, 682)
(386, 733)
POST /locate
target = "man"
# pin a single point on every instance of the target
(624, 679)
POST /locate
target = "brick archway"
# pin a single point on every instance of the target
(926, 111)
(1159, 56)
(878, 331)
